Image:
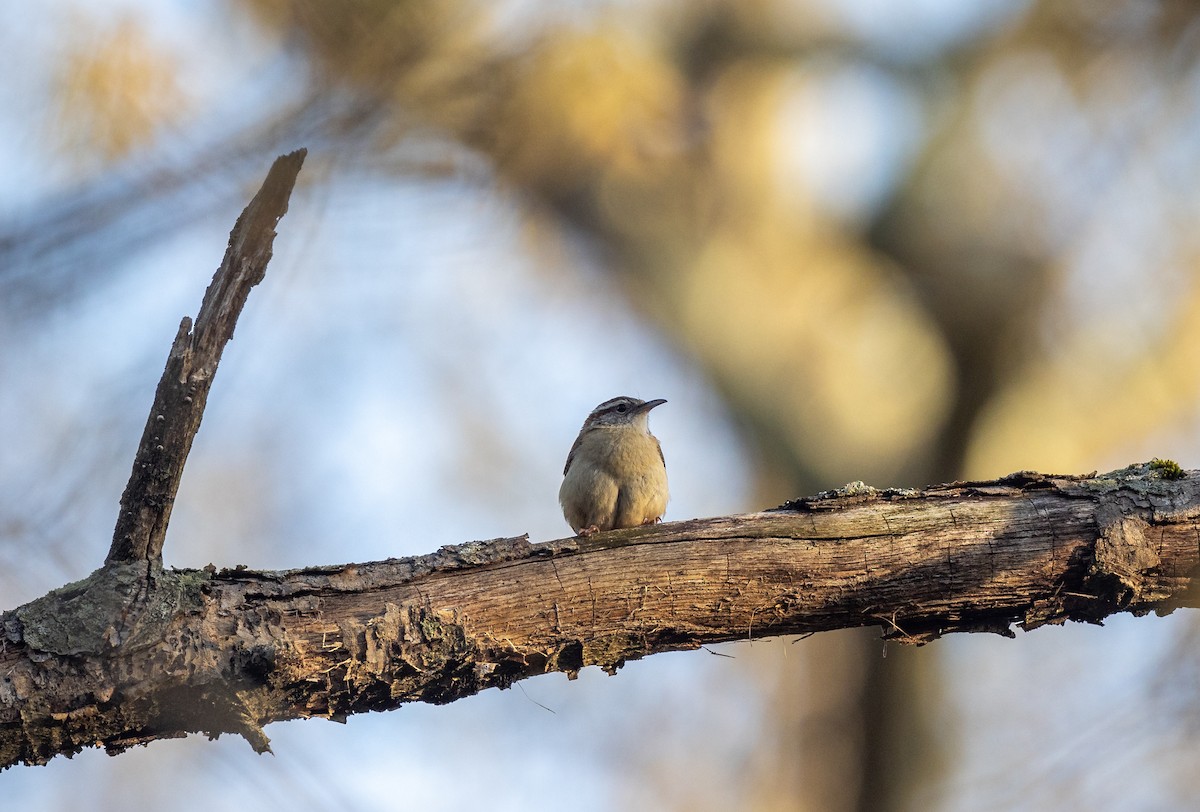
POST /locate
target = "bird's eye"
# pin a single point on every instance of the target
(622, 408)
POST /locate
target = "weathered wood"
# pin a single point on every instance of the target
(191, 364)
(125, 657)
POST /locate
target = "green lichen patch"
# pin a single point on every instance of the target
(1167, 469)
(118, 605)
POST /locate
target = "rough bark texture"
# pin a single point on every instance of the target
(183, 389)
(123, 657)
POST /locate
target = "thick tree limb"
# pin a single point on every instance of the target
(119, 659)
(134, 653)
(183, 389)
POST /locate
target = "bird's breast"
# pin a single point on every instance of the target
(623, 452)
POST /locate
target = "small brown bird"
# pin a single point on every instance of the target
(615, 474)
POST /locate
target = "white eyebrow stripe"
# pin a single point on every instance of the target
(609, 404)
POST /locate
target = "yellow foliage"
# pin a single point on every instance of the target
(116, 88)
(589, 103)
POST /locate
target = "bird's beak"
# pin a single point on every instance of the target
(650, 404)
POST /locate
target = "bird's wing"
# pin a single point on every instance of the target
(571, 454)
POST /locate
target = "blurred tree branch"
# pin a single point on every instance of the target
(125, 657)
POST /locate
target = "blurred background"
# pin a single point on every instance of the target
(904, 242)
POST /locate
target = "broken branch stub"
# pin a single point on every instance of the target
(191, 364)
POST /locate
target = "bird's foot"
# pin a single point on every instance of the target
(591, 530)
(652, 520)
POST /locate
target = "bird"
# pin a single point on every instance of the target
(616, 475)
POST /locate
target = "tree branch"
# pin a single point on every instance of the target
(119, 659)
(191, 364)
(134, 653)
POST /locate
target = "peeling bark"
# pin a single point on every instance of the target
(127, 656)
